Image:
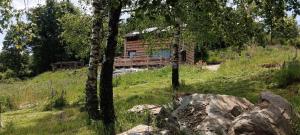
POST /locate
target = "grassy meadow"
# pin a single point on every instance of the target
(239, 75)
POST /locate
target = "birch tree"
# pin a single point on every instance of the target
(92, 100)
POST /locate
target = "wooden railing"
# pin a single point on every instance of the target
(67, 65)
(140, 61)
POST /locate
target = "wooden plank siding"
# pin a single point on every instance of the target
(190, 54)
(142, 57)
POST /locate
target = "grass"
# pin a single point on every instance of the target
(241, 76)
(289, 74)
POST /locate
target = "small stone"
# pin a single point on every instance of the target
(153, 109)
(139, 130)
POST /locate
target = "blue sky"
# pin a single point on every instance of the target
(19, 4)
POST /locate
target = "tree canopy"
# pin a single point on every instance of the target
(47, 45)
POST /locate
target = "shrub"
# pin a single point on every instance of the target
(6, 104)
(289, 73)
(9, 128)
(9, 74)
(57, 102)
(1, 76)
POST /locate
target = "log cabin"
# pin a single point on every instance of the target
(140, 53)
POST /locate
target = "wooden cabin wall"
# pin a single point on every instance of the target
(137, 46)
(190, 54)
(141, 48)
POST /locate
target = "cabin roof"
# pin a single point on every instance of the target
(135, 33)
(148, 30)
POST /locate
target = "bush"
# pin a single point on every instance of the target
(289, 73)
(6, 104)
(1, 76)
(201, 53)
(57, 102)
(9, 74)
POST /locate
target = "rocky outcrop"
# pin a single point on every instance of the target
(272, 116)
(203, 114)
(209, 114)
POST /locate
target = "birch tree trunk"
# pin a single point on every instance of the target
(106, 77)
(175, 59)
(92, 101)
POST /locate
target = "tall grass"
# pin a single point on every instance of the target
(289, 73)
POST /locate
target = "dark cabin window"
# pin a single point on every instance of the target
(162, 53)
(183, 55)
(131, 54)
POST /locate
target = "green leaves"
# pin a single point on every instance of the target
(5, 13)
(18, 36)
(77, 31)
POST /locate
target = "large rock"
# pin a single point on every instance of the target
(205, 114)
(208, 114)
(272, 116)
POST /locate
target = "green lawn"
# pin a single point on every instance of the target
(241, 76)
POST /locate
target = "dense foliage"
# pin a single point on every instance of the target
(13, 56)
(47, 45)
(76, 33)
(5, 13)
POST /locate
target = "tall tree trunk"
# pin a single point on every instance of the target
(92, 101)
(106, 78)
(175, 60)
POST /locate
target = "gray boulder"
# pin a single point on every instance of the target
(206, 114)
(272, 116)
(209, 114)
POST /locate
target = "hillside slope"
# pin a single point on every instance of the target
(243, 76)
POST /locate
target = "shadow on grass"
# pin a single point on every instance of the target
(69, 121)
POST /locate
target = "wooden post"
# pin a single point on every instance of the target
(125, 45)
(131, 59)
(147, 61)
(161, 61)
